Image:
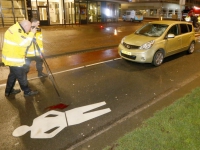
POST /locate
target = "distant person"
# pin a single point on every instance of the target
(32, 53)
(194, 20)
(16, 40)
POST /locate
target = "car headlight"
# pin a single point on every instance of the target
(147, 45)
(122, 40)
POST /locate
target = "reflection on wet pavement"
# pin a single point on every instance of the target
(77, 60)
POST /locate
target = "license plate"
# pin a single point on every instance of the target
(125, 52)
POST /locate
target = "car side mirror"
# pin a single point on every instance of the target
(170, 35)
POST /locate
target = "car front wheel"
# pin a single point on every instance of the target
(191, 48)
(158, 58)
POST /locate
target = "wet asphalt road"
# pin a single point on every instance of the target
(124, 87)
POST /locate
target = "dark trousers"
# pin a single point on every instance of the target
(17, 73)
(39, 63)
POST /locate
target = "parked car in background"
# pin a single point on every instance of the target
(156, 40)
(132, 15)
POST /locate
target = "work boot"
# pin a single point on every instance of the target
(31, 93)
(13, 92)
(41, 74)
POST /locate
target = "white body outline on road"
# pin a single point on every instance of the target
(52, 122)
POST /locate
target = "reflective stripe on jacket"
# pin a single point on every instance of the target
(13, 59)
(15, 44)
(32, 50)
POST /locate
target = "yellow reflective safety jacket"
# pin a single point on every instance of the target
(15, 44)
(32, 49)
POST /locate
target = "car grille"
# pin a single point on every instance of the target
(128, 46)
(128, 56)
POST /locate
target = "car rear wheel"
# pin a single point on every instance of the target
(191, 48)
(158, 58)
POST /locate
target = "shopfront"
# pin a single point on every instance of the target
(155, 10)
(52, 12)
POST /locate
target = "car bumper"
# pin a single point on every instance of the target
(135, 55)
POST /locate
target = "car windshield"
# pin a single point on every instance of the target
(154, 30)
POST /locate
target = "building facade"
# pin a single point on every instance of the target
(53, 12)
(160, 8)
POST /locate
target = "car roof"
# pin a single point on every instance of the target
(169, 22)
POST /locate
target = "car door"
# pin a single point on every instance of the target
(173, 45)
(186, 35)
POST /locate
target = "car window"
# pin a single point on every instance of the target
(190, 27)
(154, 30)
(173, 30)
(184, 28)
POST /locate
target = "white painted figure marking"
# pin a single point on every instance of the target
(52, 122)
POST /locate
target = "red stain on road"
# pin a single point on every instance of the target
(58, 106)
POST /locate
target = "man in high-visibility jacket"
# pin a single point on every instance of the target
(32, 53)
(16, 40)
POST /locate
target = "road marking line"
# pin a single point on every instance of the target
(2, 85)
(68, 70)
(93, 64)
(117, 58)
(108, 61)
(71, 69)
